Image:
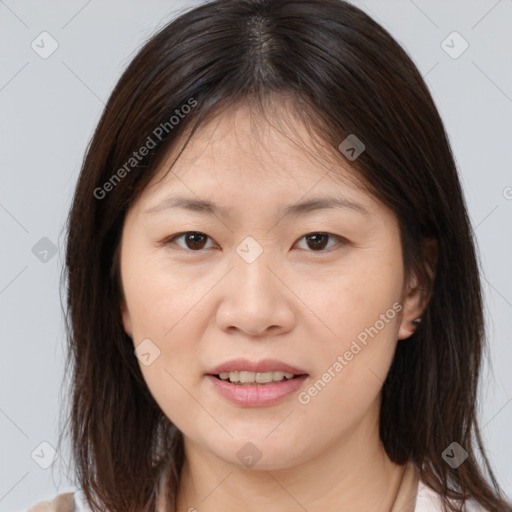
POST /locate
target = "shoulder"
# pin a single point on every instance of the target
(428, 500)
(65, 502)
(61, 503)
(76, 502)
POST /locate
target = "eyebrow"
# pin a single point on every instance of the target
(210, 208)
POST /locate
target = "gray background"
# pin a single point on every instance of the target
(49, 108)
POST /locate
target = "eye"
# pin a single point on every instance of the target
(318, 241)
(195, 241)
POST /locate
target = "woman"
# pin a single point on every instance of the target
(274, 299)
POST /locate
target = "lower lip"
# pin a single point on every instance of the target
(257, 395)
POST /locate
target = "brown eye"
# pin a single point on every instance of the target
(316, 242)
(193, 240)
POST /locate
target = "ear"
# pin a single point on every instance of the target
(127, 321)
(418, 290)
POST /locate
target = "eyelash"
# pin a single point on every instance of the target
(170, 240)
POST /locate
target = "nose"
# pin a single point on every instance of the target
(255, 299)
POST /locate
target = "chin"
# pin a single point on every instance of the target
(264, 454)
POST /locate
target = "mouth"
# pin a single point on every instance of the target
(256, 394)
(248, 383)
(246, 378)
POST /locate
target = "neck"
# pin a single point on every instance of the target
(354, 473)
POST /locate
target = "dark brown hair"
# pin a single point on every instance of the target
(345, 75)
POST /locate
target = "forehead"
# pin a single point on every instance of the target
(272, 150)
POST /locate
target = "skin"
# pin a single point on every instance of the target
(206, 305)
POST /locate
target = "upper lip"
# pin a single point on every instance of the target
(266, 365)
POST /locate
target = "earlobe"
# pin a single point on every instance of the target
(419, 291)
(413, 307)
(408, 328)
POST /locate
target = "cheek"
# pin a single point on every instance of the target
(169, 387)
(350, 371)
(361, 309)
(353, 297)
(173, 320)
(160, 299)
(166, 319)
(161, 306)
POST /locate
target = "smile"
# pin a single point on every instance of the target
(256, 394)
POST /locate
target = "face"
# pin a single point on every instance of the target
(318, 289)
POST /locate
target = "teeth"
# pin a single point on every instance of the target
(255, 377)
